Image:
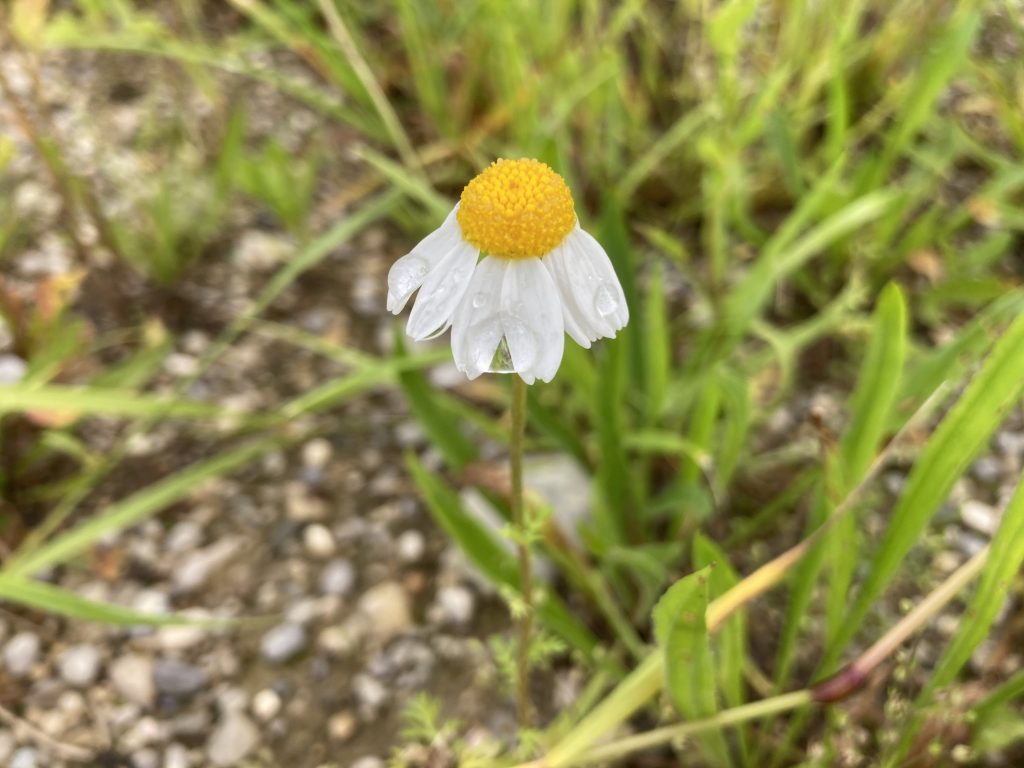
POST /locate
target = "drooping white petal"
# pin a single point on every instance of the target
(441, 293)
(531, 316)
(476, 324)
(408, 273)
(594, 302)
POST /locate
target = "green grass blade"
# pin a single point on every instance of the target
(100, 401)
(958, 439)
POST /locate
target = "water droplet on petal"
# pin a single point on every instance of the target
(480, 300)
(604, 301)
(523, 340)
(407, 275)
(502, 360)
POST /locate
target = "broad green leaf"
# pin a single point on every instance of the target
(680, 628)
(959, 438)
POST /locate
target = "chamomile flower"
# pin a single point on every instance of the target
(541, 276)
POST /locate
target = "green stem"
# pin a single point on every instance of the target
(522, 548)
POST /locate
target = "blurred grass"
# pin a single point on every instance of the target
(795, 196)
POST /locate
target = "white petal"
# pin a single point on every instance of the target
(476, 324)
(531, 316)
(560, 263)
(590, 289)
(441, 292)
(408, 273)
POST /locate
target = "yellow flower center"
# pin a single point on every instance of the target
(516, 209)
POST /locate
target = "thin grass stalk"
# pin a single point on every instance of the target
(522, 550)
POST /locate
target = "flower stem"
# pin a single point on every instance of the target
(523, 550)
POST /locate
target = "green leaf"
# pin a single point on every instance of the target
(134, 509)
(98, 401)
(441, 425)
(959, 438)
(681, 631)
(488, 554)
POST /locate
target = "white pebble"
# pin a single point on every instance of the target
(411, 546)
(79, 665)
(21, 653)
(319, 541)
(266, 705)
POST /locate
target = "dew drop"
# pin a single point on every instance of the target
(604, 301)
(480, 300)
(502, 360)
(523, 339)
(407, 275)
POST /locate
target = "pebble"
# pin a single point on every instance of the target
(338, 578)
(197, 567)
(987, 471)
(266, 705)
(316, 453)
(12, 369)
(411, 545)
(79, 665)
(185, 536)
(979, 516)
(318, 541)
(341, 726)
(178, 678)
(283, 642)
(301, 506)
(386, 608)
(340, 640)
(176, 756)
(232, 740)
(146, 758)
(26, 757)
(454, 605)
(7, 744)
(370, 761)
(21, 653)
(132, 677)
(370, 693)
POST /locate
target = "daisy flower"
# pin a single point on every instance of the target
(541, 276)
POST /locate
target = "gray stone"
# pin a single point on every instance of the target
(318, 541)
(178, 678)
(79, 665)
(338, 578)
(21, 653)
(146, 758)
(12, 369)
(26, 757)
(370, 693)
(232, 740)
(979, 516)
(386, 609)
(132, 677)
(455, 604)
(176, 756)
(197, 567)
(283, 642)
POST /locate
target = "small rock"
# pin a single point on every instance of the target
(283, 642)
(12, 369)
(370, 761)
(178, 678)
(342, 726)
(7, 745)
(132, 677)
(979, 516)
(316, 453)
(318, 541)
(260, 250)
(146, 732)
(370, 693)
(185, 536)
(79, 665)
(146, 758)
(21, 653)
(301, 506)
(340, 640)
(386, 608)
(266, 705)
(455, 605)
(26, 757)
(411, 545)
(232, 740)
(337, 578)
(987, 471)
(197, 567)
(176, 756)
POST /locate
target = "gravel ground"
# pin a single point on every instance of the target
(368, 602)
